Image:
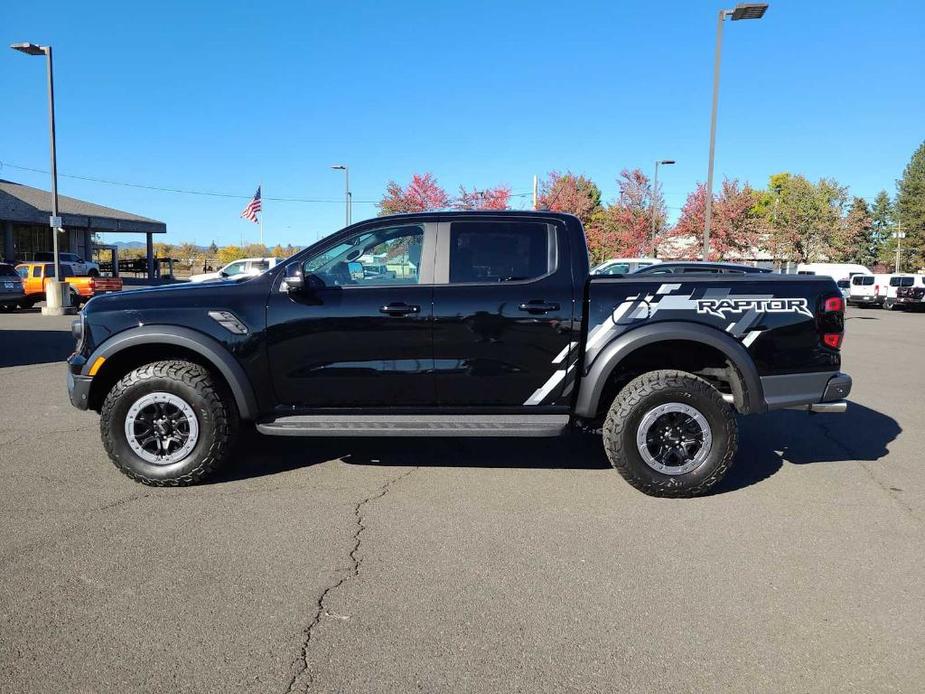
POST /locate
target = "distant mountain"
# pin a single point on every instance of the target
(123, 245)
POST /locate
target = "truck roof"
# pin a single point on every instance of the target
(449, 214)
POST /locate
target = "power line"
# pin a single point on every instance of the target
(205, 193)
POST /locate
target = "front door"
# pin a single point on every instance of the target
(359, 333)
(504, 334)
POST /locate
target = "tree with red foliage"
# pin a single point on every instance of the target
(567, 192)
(496, 198)
(735, 229)
(422, 194)
(625, 227)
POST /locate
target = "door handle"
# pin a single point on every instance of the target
(399, 309)
(538, 306)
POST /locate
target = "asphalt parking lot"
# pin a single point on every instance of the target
(465, 565)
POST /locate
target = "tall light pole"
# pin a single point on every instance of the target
(746, 10)
(664, 162)
(57, 299)
(348, 198)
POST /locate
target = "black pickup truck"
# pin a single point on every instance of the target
(471, 324)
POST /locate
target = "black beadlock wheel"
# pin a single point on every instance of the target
(670, 433)
(167, 424)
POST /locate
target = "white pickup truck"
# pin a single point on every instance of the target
(245, 267)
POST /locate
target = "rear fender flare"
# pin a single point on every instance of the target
(748, 399)
(215, 354)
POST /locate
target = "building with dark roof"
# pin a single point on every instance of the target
(24, 224)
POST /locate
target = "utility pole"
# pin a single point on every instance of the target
(899, 236)
(535, 184)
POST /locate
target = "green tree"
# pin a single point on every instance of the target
(881, 222)
(803, 218)
(854, 241)
(910, 209)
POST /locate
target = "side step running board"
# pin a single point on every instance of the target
(416, 425)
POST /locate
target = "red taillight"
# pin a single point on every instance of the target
(833, 340)
(834, 303)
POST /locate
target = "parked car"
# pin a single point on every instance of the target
(845, 286)
(623, 266)
(79, 266)
(910, 293)
(496, 329)
(245, 267)
(35, 275)
(699, 268)
(11, 292)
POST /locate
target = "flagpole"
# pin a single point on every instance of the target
(260, 188)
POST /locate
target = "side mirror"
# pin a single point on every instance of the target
(298, 283)
(293, 283)
(224, 274)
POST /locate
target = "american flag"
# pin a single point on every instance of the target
(253, 207)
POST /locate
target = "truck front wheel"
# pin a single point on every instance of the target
(165, 423)
(670, 433)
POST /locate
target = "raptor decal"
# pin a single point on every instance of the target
(720, 307)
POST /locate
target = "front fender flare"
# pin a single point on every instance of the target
(207, 347)
(750, 400)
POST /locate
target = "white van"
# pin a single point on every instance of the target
(837, 271)
(868, 290)
(895, 282)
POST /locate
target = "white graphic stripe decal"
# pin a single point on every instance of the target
(564, 353)
(751, 337)
(540, 394)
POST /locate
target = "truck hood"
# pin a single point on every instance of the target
(186, 294)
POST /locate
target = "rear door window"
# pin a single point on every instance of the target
(487, 252)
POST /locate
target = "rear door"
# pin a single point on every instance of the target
(503, 313)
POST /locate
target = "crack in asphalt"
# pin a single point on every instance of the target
(304, 667)
(887, 489)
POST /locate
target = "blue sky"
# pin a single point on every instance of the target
(218, 95)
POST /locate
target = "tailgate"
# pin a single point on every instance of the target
(102, 285)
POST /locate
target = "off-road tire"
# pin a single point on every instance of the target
(93, 273)
(890, 304)
(643, 394)
(217, 419)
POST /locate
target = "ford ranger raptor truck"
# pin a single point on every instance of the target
(481, 324)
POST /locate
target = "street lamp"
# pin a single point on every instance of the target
(348, 197)
(748, 10)
(664, 162)
(57, 296)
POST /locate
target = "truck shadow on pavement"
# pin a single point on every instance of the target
(765, 443)
(26, 347)
(800, 438)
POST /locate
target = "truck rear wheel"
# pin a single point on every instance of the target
(166, 424)
(670, 433)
